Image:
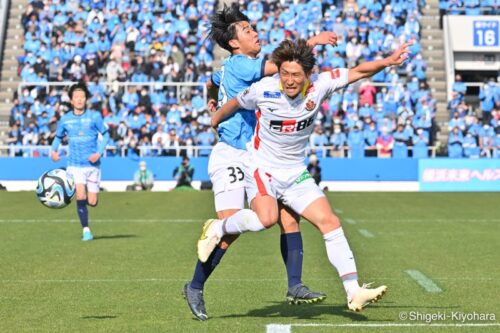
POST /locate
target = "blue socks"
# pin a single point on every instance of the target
(83, 213)
(292, 253)
(203, 270)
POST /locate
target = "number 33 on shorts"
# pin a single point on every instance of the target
(235, 174)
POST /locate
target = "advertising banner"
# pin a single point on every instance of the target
(459, 175)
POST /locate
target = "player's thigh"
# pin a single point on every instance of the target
(93, 185)
(225, 168)
(228, 202)
(320, 214)
(288, 219)
(80, 179)
(308, 200)
(262, 196)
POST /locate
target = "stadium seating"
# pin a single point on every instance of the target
(165, 41)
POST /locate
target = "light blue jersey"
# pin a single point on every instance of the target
(82, 132)
(237, 73)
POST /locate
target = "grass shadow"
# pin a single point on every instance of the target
(99, 317)
(113, 237)
(283, 310)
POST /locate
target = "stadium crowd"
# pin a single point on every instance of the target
(151, 44)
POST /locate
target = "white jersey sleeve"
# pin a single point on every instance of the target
(248, 97)
(328, 82)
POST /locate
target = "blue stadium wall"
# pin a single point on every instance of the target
(163, 167)
(429, 174)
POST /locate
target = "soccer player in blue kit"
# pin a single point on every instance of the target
(82, 128)
(232, 31)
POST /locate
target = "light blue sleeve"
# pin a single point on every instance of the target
(59, 136)
(216, 76)
(249, 69)
(103, 129)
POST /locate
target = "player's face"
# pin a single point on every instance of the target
(292, 77)
(78, 100)
(247, 39)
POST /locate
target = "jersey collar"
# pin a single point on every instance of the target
(302, 93)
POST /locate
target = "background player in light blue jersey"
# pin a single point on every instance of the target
(232, 31)
(82, 128)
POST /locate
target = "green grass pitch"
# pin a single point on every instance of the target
(130, 278)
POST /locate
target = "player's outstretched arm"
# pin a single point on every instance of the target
(371, 68)
(225, 111)
(323, 38)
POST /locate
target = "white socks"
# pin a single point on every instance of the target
(341, 257)
(85, 229)
(241, 222)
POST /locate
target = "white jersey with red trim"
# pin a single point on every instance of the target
(285, 124)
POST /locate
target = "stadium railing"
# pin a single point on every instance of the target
(176, 151)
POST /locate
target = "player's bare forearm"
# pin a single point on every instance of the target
(94, 157)
(225, 111)
(212, 89)
(270, 68)
(367, 69)
(323, 38)
(371, 68)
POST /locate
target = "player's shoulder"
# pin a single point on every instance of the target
(267, 86)
(270, 82)
(336, 74)
(67, 116)
(94, 114)
(240, 63)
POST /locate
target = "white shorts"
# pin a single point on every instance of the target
(294, 187)
(226, 170)
(90, 176)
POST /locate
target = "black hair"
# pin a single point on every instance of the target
(298, 52)
(79, 86)
(223, 27)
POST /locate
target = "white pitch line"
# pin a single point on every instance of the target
(278, 328)
(338, 211)
(350, 221)
(366, 233)
(423, 281)
(103, 220)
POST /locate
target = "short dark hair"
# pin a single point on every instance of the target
(298, 51)
(79, 86)
(222, 28)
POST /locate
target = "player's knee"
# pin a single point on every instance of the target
(289, 225)
(268, 218)
(92, 202)
(328, 222)
(334, 221)
(81, 197)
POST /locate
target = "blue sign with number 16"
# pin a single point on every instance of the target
(485, 33)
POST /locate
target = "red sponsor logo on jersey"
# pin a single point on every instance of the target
(335, 73)
(290, 125)
(310, 105)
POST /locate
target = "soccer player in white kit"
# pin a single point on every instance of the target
(286, 105)
(231, 30)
